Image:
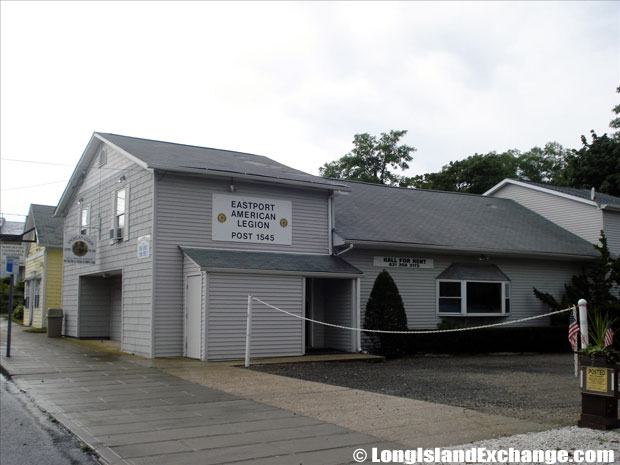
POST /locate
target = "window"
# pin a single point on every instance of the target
(120, 213)
(473, 298)
(473, 289)
(84, 220)
(27, 295)
(37, 287)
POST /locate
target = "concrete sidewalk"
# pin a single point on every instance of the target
(177, 411)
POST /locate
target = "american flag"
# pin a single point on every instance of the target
(609, 336)
(573, 331)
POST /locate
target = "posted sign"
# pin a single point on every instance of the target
(251, 219)
(403, 262)
(80, 250)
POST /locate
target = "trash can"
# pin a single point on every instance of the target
(54, 322)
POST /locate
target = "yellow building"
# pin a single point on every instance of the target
(43, 276)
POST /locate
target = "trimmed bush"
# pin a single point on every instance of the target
(385, 310)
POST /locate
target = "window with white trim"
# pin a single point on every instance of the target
(37, 289)
(473, 298)
(27, 295)
(120, 212)
(84, 220)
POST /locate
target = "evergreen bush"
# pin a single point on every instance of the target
(385, 311)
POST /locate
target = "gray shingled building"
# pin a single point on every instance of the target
(182, 234)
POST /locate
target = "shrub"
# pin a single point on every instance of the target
(385, 311)
(18, 313)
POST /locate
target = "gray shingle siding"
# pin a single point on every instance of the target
(186, 201)
(97, 191)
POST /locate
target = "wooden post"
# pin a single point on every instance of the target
(248, 332)
(583, 323)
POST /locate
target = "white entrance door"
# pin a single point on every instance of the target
(193, 324)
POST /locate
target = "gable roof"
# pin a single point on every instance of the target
(48, 228)
(378, 215)
(11, 227)
(168, 156)
(581, 195)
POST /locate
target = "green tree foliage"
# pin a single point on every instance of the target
(596, 164)
(615, 123)
(545, 164)
(371, 159)
(385, 311)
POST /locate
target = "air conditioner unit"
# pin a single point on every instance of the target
(119, 233)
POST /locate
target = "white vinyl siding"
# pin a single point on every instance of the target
(584, 220)
(186, 201)
(611, 221)
(97, 190)
(418, 287)
(274, 334)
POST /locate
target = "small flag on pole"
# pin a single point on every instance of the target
(573, 331)
(609, 336)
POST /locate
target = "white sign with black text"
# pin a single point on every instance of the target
(403, 262)
(238, 218)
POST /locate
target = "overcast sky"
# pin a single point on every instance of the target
(295, 81)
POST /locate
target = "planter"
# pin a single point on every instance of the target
(598, 380)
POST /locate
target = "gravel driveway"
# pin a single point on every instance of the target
(532, 387)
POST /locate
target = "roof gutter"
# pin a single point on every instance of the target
(314, 274)
(467, 250)
(344, 251)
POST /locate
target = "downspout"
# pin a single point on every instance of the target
(330, 222)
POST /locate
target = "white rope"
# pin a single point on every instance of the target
(430, 331)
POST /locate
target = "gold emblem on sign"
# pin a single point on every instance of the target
(80, 248)
(283, 223)
(221, 218)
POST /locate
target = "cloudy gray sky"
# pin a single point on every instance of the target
(295, 81)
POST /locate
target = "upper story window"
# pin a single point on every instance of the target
(119, 231)
(473, 290)
(84, 220)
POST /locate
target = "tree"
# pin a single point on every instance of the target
(596, 164)
(385, 310)
(545, 164)
(371, 159)
(615, 123)
(475, 174)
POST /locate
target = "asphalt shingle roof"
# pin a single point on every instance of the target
(179, 157)
(474, 272)
(11, 227)
(377, 213)
(267, 261)
(581, 193)
(49, 228)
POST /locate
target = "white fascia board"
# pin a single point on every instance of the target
(539, 189)
(465, 251)
(612, 208)
(133, 158)
(313, 274)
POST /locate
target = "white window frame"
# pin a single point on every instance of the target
(27, 290)
(505, 285)
(84, 229)
(124, 213)
(37, 294)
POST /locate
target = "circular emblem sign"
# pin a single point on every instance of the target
(283, 223)
(79, 248)
(221, 217)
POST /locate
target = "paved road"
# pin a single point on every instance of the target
(31, 437)
(130, 414)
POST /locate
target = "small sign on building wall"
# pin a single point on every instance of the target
(80, 250)
(403, 262)
(144, 246)
(239, 218)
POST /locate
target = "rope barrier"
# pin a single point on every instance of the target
(430, 331)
